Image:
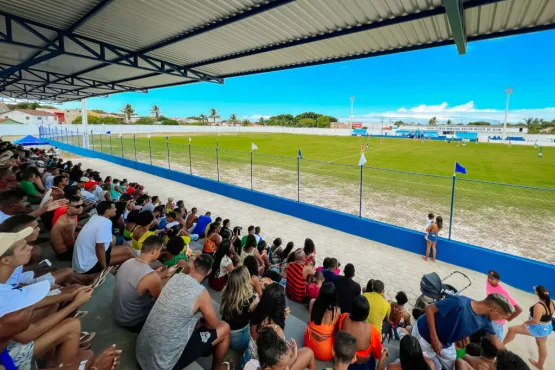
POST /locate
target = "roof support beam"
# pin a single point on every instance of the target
(28, 63)
(455, 14)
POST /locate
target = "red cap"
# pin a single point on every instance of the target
(130, 190)
(89, 184)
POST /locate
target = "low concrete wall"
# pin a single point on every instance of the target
(519, 272)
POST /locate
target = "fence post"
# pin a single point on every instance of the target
(360, 206)
(78, 140)
(218, 161)
(452, 204)
(190, 159)
(67, 140)
(251, 169)
(149, 150)
(121, 142)
(135, 146)
(101, 148)
(110, 143)
(298, 179)
(168, 148)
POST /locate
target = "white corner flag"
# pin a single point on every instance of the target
(149, 136)
(190, 139)
(362, 160)
(254, 147)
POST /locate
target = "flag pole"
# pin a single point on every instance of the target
(452, 198)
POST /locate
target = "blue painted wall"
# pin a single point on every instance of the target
(519, 272)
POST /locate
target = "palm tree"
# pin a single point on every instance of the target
(155, 111)
(432, 121)
(449, 122)
(528, 122)
(233, 118)
(202, 118)
(246, 122)
(262, 121)
(128, 110)
(214, 114)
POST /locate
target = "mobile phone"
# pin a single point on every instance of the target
(179, 270)
(45, 263)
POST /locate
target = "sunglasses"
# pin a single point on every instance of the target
(76, 206)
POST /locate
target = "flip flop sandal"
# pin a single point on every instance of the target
(230, 364)
(86, 337)
(99, 281)
(85, 346)
(80, 314)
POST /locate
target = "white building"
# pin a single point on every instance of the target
(29, 116)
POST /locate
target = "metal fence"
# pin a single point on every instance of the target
(515, 219)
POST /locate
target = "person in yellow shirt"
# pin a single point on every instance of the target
(380, 309)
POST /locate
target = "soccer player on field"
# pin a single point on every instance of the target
(540, 153)
(510, 145)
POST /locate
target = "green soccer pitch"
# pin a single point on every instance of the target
(518, 164)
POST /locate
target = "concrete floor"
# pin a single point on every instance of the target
(399, 269)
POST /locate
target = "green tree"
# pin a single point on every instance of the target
(170, 122)
(304, 115)
(91, 120)
(308, 122)
(246, 122)
(233, 118)
(110, 120)
(399, 123)
(214, 114)
(145, 121)
(128, 110)
(479, 123)
(449, 122)
(262, 121)
(323, 122)
(333, 119)
(155, 111)
(432, 121)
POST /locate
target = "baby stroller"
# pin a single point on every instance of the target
(434, 289)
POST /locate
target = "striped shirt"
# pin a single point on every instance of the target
(296, 284)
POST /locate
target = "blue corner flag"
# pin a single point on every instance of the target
(459, 168)
(167, 137)
(108, 132)
(300, 155)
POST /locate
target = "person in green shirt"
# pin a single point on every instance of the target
(176, 254)
(250, 231)
(380, 307)
(27, 183)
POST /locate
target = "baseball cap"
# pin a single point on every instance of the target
(130, 190)
(14, 299)
(89, 184)
(8, 239)
(494, 274)
(84, 179)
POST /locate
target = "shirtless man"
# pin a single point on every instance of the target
(486, 361)
(63, 235)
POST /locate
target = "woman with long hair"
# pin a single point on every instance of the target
(539, 325)
(250, 249)
(310, 252)
(130, 226)
(252, 265)
(432, 237)
(141, 232)
(271, 312)
(283, 258)
(324, 313)
(212, 239)
(238, 303)
(222, 266)
(411, 356)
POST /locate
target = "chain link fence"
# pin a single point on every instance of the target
(508, 218)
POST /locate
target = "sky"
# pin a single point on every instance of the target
(415, 85)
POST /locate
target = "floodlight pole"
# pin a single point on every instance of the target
(85, 121)
(508, 91)
(351, 115)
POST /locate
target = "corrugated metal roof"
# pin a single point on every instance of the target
(124, 45)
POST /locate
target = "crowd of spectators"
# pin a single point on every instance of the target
(161, 253)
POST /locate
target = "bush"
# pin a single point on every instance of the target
(110, 121)
(91, 120)
(170, 122)
(308, 122)
(323, 122)
(145, 121)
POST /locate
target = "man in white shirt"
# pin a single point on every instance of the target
(95, 247)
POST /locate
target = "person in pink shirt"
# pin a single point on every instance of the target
(493, 285)
(314, 288)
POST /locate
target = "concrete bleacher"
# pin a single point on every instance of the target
(399, 269)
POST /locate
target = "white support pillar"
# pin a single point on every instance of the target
(508, 91)
(85, 123)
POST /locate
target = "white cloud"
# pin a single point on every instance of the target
(255, 117)
(465, 112)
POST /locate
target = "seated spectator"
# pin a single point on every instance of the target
(144, 220)
(63, 233)
(213, 239)
(35, 273)
(95, 248)
(250, 231)
(329, 273)
(250, 249)
(344, 350)
(297, 275)
(411, 356)
(369, 339)
(324, 314)
(348, 287)
(58, 185)
(202, 223)
(282, 266)
(455, 318)
(51, 173)
(257, 231)
(177, 254)
(223, 265)
(381, 309)
(399, 316)
(271, 312)
(172, 336)
(170, 205)
(276, 251)
(217, 220)
(180, 205)
(486, 360)
(168, 222)
(14, 202)
(237, 304)
(314, 287)
(115, 190)
(310, 254)
(138, 286)
(252, 265)
(326, 266)
(191, 220)
(27, 183)
(274, 353)
(507, 360)
(225, 230)
(153, 203)
(130, 227)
